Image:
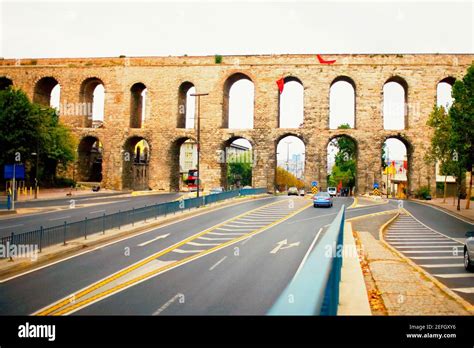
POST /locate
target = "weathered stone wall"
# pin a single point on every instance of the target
(163, 76)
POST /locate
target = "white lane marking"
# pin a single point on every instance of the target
(226, 234)
(391, 240)
(60, 218)
(429, 246)
(181, 251)
(202, 244)
(444, 211)
(308, 252)
(428, 251)
(421, 243)
(151, 229)
(217, 263)
(97, 211)
(443, 265)
(152, 240)
(245, 227)
(436, 257)
(11, 226)
(465, 290)
(167, 304)
(455, 275)
(246, 240)
(441, 234)
(283, 244)
(207, 238)
(234, 229)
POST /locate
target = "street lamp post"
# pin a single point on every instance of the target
(36, 170)
(198, 95)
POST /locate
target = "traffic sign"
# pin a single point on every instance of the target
(314, 183)
(314, 190)
(19, 171)
(376, 185)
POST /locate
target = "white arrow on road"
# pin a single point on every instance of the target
(283, 245)
(152, 240)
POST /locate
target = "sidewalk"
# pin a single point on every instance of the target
(450, 207)
(394, 286)
(58, 193)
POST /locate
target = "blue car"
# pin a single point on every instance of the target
(322, 199)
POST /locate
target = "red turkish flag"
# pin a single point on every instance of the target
(281, 84)
(405, 164)
(323, 61)
(339, 186)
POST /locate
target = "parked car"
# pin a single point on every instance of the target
(302, 192)
(469, 252)
(322, 199)
(332, 191)
(293, 191)
(216, 190)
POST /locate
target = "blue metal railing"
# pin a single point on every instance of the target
(43, 237)
(314, 290)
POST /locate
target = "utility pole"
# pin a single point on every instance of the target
(198, 95)
(36, 168)
(288, 155)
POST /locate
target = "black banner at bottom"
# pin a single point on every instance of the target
(235, 330)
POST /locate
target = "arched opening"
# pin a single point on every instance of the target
(136, 157)
(443, 92)
(342, 102)
(238, 102)
(395, 168)
(47, 92)
(89, 164)
(342, 164)
(5, 82)
(183, 165)
(291, 104)
(186, 105)
(290, 163)
(395, 110)
(92, 97)
(137, 105)
(237, 163)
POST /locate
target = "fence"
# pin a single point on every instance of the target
(315, 289)
(44, 237)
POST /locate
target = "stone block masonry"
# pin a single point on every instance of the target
(163, 77)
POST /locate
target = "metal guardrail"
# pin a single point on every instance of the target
(314, 290)
(65, 232)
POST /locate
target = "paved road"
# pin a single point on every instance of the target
(234, 260)
(440, 254)
(96, 206)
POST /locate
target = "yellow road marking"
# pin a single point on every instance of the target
(129, 269)
(354, 204)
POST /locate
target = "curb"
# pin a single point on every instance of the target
(25, 266)
(466, 305)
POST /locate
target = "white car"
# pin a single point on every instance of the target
(469, 251)
(332, 191)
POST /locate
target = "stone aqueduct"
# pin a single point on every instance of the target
(164, 132)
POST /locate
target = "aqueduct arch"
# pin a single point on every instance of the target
(163, 76)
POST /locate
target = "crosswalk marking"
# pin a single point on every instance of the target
(181, 251)
(202, 244)
(455, 275)
(465, 290)
(443, 265)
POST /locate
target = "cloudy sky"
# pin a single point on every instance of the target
(149, 28)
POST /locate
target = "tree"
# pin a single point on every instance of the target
(345, 161)
(239, 169)
(440, 149)
(461, 115)
(285, 179)
(28, 128)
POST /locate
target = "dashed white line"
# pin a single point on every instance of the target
(167, 304)
(217, 263)
(60, 218)
(11, 226)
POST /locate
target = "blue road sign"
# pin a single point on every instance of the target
(19, 171)
(314, 183)
(376, 185)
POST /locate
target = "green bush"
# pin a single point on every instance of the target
(218, 59)
(422, 192)
(63, 182)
